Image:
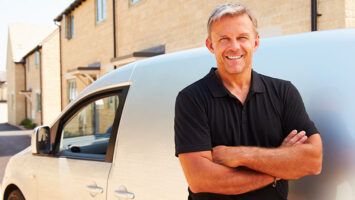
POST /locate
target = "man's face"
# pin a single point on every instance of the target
(233, 41)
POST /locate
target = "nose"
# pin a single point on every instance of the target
(234, 44)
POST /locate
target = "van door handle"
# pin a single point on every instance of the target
(122, 192)
(94, 189)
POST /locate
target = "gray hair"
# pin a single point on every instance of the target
(230, 9)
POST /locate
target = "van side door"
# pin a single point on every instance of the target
(83, 149)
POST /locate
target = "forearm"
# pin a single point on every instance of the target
(286, 162)
(283, 162)
(207, 176)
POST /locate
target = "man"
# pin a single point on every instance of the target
(240, 134)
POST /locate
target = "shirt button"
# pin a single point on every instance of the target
(244, 112)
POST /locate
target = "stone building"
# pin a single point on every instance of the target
(27, 55)
(21, 39)
(86, 43)
(97, 36)
(42, 80)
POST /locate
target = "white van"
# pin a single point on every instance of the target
(116, 140)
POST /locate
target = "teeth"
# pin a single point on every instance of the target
(234, 57)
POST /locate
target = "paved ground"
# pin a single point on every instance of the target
(8, 127)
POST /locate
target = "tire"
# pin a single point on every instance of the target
(15, 195)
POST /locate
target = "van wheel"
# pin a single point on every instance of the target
(15, 195)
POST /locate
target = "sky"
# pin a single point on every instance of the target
(41, 12)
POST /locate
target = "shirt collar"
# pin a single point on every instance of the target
(257, 84)
(217, 88)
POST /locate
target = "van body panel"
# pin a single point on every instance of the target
(322, 66)
(74, 178)
(20, 172)
(146, 133)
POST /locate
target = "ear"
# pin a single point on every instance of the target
(209, 44)
(257, 42)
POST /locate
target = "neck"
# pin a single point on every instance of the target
(237, 84)
(236, 81)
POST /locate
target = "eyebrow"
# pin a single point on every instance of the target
(242, 34)
(245, 34)
(221, 36)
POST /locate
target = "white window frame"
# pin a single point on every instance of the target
(134, 1)
(72, 91)
(27, 64)
(38, 102)
(37, 58)
(100, 10)
(69, 25)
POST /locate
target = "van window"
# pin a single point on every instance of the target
(87, 133)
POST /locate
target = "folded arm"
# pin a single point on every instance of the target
(285, 162)
(203, 175)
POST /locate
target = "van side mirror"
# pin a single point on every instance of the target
(40, 141)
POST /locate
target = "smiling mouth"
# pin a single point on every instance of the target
(234, 57)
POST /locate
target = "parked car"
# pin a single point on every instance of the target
(116, 140)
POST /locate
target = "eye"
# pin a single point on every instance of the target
(224, 39)
(243, 38)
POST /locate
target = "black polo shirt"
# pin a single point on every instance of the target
(208, 115)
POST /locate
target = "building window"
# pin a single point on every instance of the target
(134, 1)
(100, 10)
(69, 26)
(27, 64)
(38, 102)
(37, 59)
(112, 102)
(71, 90)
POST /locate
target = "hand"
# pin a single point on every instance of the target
(294, 138)
(223, 155)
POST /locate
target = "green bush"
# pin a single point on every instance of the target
(27, 123)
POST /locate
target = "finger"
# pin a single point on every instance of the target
(301, 135)
(302, 140)
(290, 136)
(297, 137)
(302, 132)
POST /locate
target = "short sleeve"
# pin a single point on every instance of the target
(192, 132)
(294, 114)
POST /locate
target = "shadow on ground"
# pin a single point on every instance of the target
(8, 127)
(12, 144)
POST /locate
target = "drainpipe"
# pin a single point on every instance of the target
(114, 28)
(60, 64)
(40, 82)
(314, 15)
(25, 74)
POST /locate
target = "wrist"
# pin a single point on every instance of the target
(233, 156)
(243, 156)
